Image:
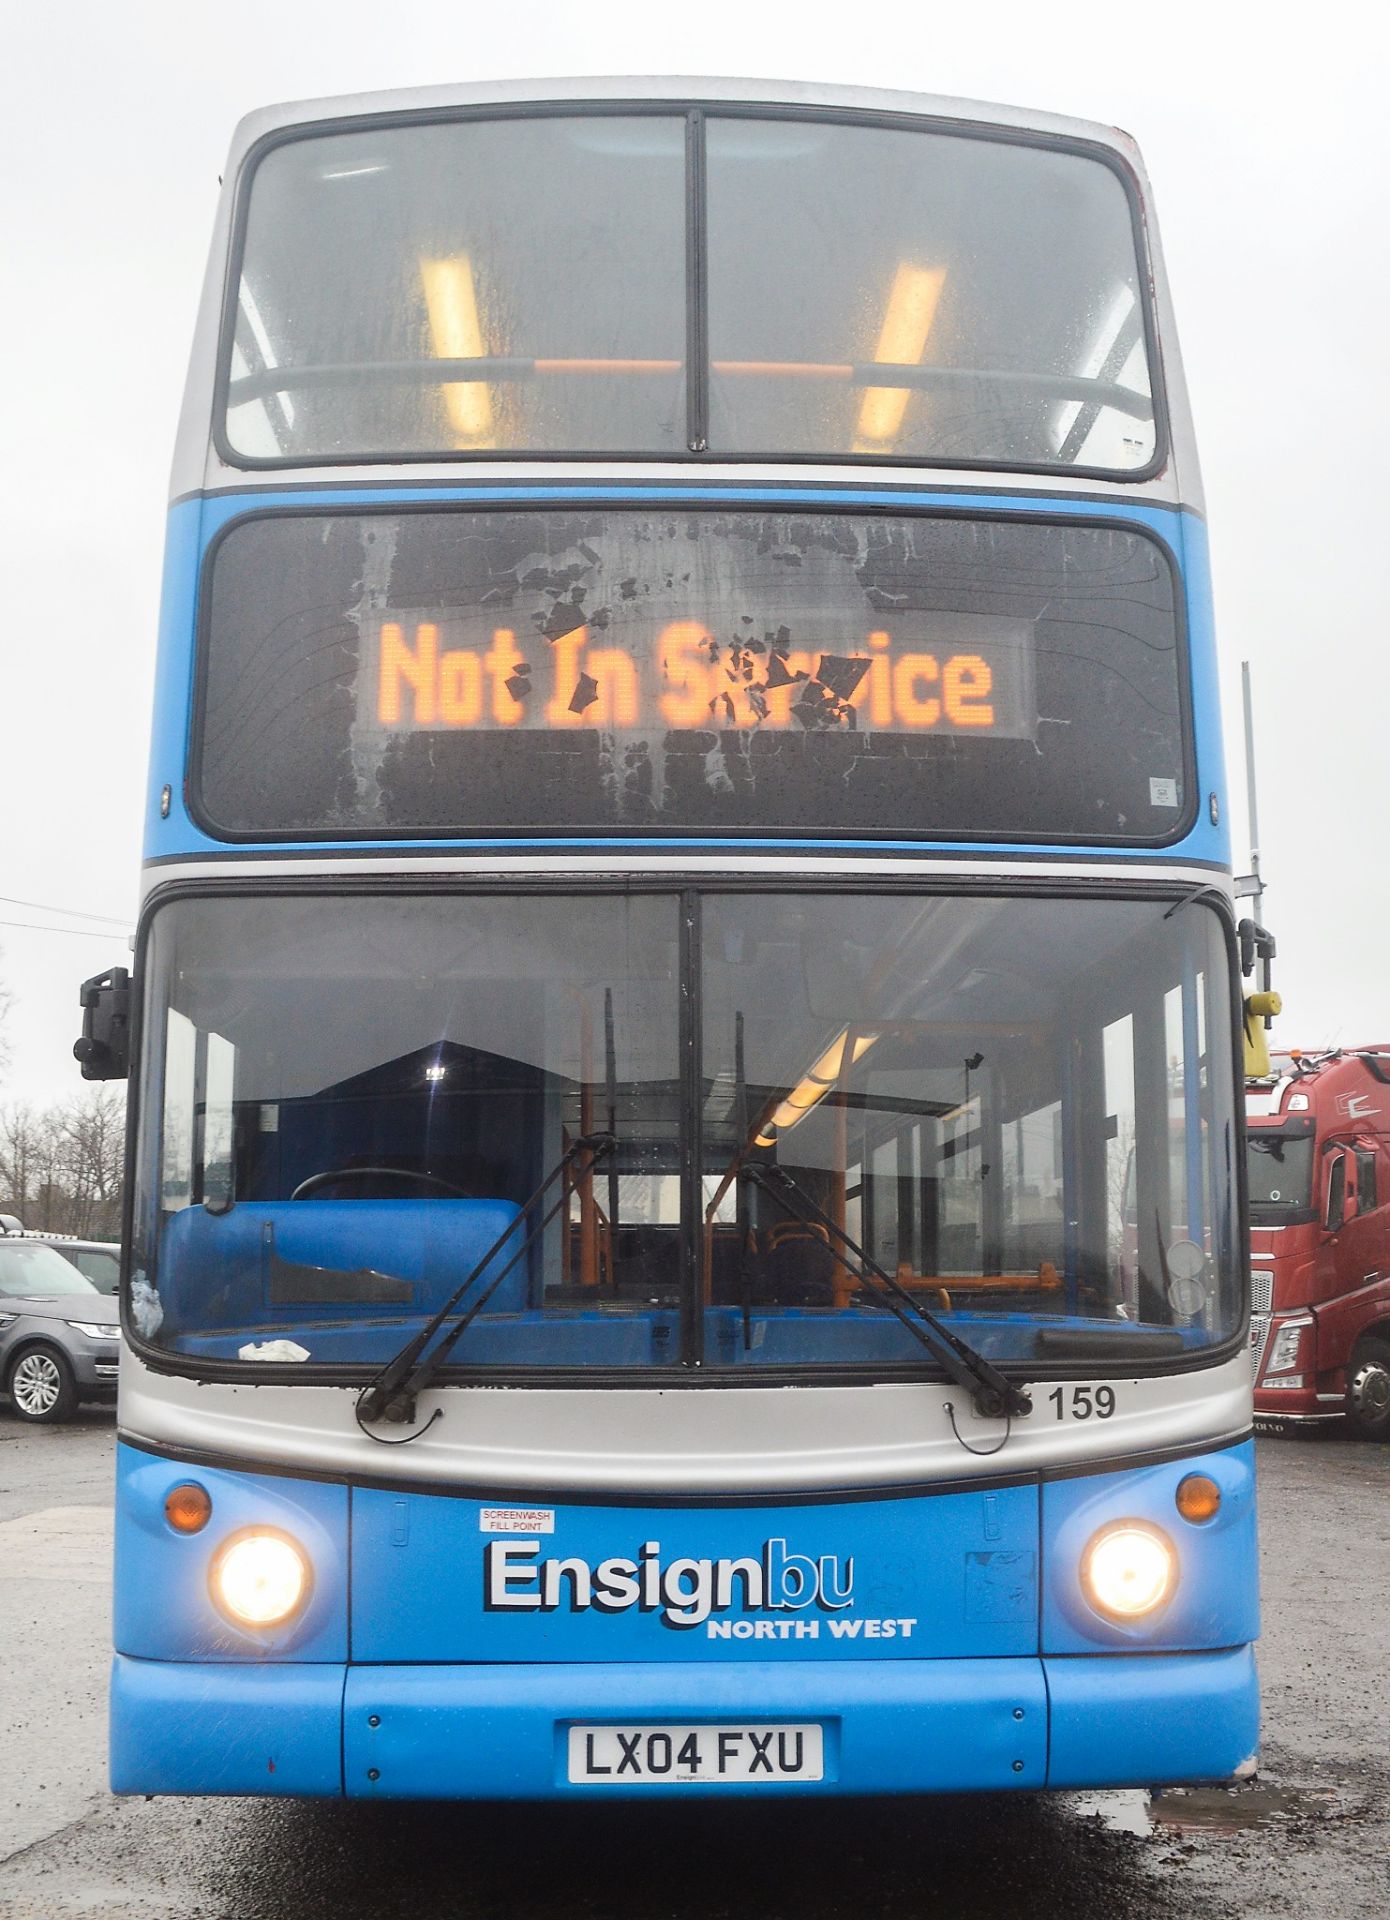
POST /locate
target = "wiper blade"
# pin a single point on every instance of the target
(992, 1394)
(392, 1396)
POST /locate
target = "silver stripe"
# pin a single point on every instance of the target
(814, 476)
(424, 863)
(751, 1439)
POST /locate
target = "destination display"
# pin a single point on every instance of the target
(571, 670)
(424, 672)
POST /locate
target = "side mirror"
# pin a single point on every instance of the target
(104, 1049)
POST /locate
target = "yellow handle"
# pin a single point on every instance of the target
(1258, 1007)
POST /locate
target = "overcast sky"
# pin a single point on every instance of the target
(1265, 134)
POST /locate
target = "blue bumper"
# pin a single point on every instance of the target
(492, 1732)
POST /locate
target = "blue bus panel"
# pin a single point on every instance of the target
(938, 1641)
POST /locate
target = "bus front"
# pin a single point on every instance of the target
(686, 1219)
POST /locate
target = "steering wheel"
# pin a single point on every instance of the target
(332, 1174)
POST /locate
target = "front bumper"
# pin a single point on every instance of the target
(493, 1731)
(95, 1368)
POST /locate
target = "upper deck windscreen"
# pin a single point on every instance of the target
(643, 283)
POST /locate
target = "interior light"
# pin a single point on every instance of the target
(1093, 361)
(1128, 1570)
(808, 1093)
(907, 321)
(260, 334)
(260, 1579)
(452, 303)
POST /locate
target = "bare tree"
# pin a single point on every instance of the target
(19, 1131)
(61, 1168)
(91, 1130)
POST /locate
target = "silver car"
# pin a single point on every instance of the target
(59, 1333)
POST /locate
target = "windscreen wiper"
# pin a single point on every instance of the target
(992, 1394)
(393, 1394)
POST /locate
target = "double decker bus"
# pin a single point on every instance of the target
(685, 1222)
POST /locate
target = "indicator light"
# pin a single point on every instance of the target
(1128, 1570)
(1198, 1498)
(187, 1508)
(260, 1578)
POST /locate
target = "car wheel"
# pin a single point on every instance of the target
(41, 1386)
(1368, 1390)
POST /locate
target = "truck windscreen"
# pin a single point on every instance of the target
(602, 669)
(1279, 1171)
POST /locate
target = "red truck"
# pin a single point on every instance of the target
(1318, 1169)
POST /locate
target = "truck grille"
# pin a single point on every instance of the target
(1259, 1332)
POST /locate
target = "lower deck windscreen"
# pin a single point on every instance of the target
(1019, 1110)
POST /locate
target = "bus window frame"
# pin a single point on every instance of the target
(545, 500)
(698, 1374)
(695, 113)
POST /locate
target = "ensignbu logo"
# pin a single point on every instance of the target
(683, 1592)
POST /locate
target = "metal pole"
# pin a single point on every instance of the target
(1257, 889)
(1257, 892)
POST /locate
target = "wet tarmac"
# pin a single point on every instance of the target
(1310, 1836)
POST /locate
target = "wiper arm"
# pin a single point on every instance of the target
(992, 1395)
(393, 1394)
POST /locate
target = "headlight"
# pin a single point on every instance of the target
(260, 1578)
(94, 1330)
(1128, 1570)
(7, 1320)
(1283, 1352)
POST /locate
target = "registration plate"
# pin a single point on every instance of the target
(658, 1756)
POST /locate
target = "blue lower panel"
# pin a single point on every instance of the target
(1151, 1720)
(914, 1726)
(501, 1731)
(179, 1727)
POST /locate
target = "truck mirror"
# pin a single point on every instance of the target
(104, 1049)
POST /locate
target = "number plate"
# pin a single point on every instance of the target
(658, 1756)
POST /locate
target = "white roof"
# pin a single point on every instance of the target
(792, 93)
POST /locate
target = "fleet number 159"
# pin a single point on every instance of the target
(1082, 1403)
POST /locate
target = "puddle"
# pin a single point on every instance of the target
(1194, 1810)
(1125, 1811)
(1235, 1809)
